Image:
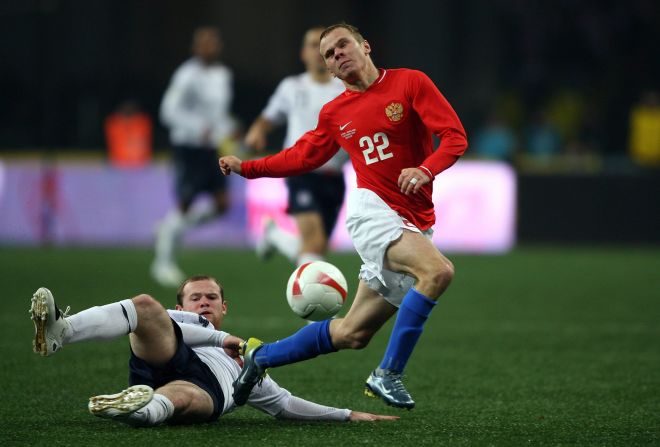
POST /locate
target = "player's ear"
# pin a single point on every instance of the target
(177, 307)
(366, 47)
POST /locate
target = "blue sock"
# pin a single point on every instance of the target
(309, 342)
(413, 312)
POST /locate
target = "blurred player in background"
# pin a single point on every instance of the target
(315, 198)
(129, 136)
(196, 109)
(385, 120)
(179, 371)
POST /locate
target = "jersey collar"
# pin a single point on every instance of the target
(383, 73)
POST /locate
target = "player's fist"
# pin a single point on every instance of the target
(231, 345)
(229, 164)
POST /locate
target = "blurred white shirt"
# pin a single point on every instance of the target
(297, 100)
(268, 397)
(198, 101)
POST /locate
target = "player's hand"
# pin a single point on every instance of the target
(411, 179)
(229, 164)
(255, 139)
(358, 416)
(231, 345)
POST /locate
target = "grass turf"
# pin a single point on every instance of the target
(544, 346)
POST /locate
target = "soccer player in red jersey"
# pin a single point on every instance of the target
(385, 120)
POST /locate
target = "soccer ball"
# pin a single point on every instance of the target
(316, 290)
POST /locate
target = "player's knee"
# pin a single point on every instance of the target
(146, 304)
(444, 274)
(191, 404)
(186, 399)
(438, 276)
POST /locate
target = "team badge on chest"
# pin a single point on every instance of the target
(394, 111)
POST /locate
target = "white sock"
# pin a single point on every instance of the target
(285, 242)
(102, 322)
(304, 258)
(198, 216)
(168, 235)
(157, 411)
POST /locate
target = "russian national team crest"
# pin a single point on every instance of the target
(394, 111)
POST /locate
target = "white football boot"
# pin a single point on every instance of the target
(50, 323)
(120, 406)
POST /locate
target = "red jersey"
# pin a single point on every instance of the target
(384, 129)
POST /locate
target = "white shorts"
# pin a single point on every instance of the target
(373, 226)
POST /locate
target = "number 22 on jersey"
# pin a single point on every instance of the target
(378, 143)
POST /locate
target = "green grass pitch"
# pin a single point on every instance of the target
(543, 346)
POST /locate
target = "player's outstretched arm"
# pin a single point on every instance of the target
(358, 416)
(278, 402)
(256, 135)
(229, 164)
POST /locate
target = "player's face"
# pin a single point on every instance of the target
(207, 45)
(344, 56)
(309, 53)
(203, 298)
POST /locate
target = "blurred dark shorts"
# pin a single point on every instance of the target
(322, 193)
(196, 171)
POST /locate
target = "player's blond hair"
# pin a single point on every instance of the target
(352, 29)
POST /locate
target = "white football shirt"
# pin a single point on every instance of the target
(268, 397)
(198, 101)
(297, 100)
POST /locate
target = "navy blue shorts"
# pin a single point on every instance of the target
(196, 171)
(185, 365)
(322, 193)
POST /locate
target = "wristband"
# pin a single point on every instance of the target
(428, 171)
